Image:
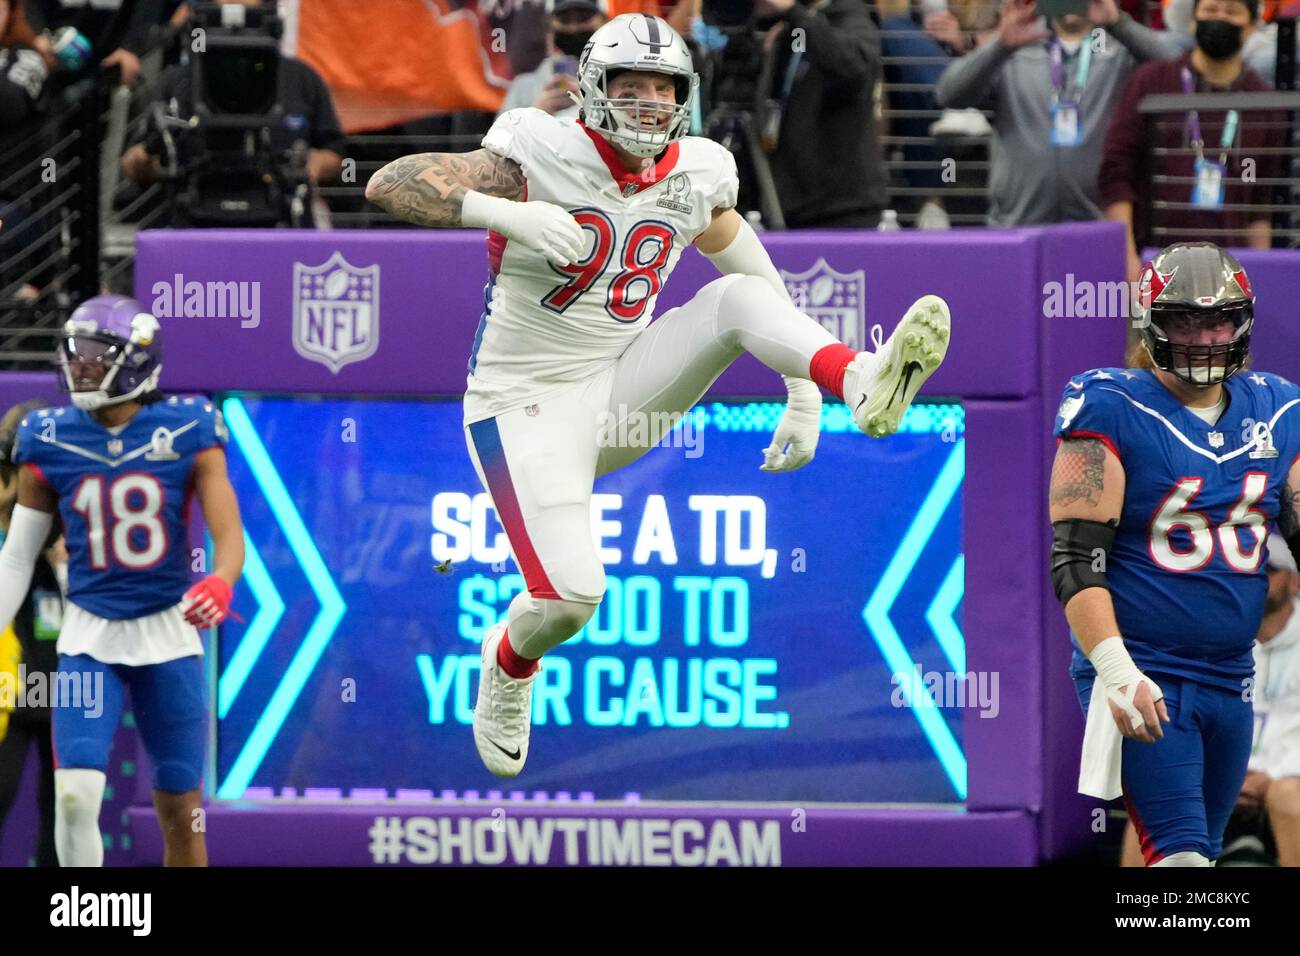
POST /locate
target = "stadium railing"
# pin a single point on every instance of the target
(1277, 196)
(49, 259)
(966, 198)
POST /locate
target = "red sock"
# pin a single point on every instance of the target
(828, 365)
(514, 665)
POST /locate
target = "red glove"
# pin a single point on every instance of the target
(207, 604)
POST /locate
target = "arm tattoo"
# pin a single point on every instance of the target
(428, 188)
(1077, 474)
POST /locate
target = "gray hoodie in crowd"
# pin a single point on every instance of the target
(1032, 180)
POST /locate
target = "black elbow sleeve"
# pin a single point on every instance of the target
(1080, 549)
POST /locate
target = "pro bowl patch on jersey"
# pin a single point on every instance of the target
(335, 312)
(678, 194)
(837, 300)
(160, 447)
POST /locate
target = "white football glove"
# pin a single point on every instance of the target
(795, 440)
(541, 226)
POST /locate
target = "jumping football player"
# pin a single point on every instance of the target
(1167, 478)
(120, 467)
(586, 220)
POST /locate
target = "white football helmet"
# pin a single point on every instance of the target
(635, 41)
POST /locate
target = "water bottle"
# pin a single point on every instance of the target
(888, 222)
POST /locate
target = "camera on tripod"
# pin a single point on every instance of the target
(222, 166)
(738, 112)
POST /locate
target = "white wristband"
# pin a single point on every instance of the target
(481, 211)
(1115, 668)
(802, 396)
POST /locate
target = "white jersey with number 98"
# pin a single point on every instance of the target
(544, 326)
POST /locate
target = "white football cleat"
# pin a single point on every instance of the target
(878, 386)
(503, 715)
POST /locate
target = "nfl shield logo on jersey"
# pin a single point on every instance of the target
(1070, 407)
(837, 300)
(335, 312)
(1216, 439)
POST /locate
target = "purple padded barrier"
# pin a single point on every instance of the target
(1000, 602)
(1069, 346)
(431, 297)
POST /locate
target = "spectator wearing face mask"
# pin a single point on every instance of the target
(1258, 51)
(1051, 87)
(1220, 193)
(572, 22)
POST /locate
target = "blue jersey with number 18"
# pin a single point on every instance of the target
(1187, 571)
(123, 496)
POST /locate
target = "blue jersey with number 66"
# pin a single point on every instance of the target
(1187, 571)
(123, 496)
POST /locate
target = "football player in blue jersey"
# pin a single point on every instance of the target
(1167, 478)
(120, 467)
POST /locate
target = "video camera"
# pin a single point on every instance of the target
(728, 14)
(731, 71)
(735, 100)
(223, 166)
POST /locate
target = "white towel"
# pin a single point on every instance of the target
(1099, 764)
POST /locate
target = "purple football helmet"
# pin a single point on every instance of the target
(110, 352)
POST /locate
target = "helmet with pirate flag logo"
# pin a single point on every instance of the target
(635, 41)
(110, 352)
(1185, 291)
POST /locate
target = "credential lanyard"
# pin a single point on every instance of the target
(1194, 126)
(1082, 68)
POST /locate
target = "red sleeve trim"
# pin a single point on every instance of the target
(40, 475)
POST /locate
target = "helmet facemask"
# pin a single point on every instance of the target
(1187, 288)
(636, 125)
(1200, 365)
(642, 44)
(82, 352)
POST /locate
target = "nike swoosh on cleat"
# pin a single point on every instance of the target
(512, 756)
(910, 369)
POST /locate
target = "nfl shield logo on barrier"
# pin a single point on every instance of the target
(335, 312)
(837, 300)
